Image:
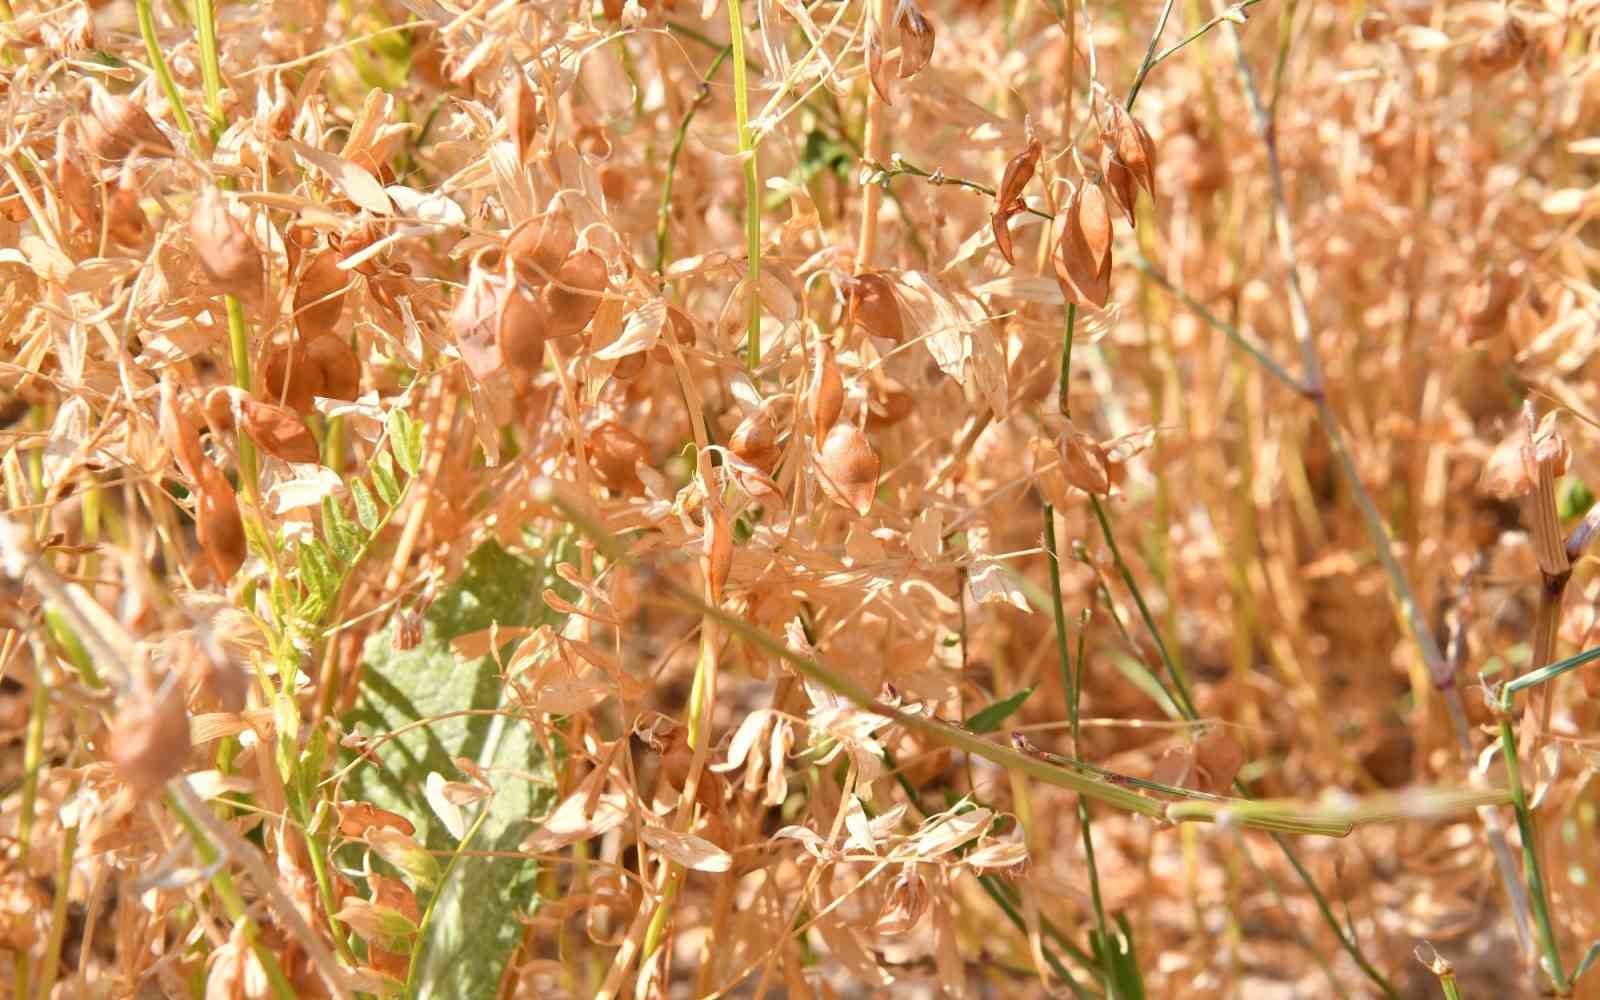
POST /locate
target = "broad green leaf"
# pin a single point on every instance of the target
(987, 720)
(405, 440)
(366, 507)
(383, 481)
(474, 928)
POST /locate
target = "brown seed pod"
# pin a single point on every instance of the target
(338, 366)
(873, 306)
(519, 108)
(1083, 253)
(116, 127)
(319, 297)
(150, 740)
(875, 73)
(73, 179)
(916, 39)
(888, 403)
(538, 247)
(1486, 304)
(225, 250)
(629, 368)
(217, 524)
(847, 468)
(1217, 757)
(290, 377)
(1019, 171)
(278, 431)
(1120, 184)
(615, 452)
(683, 330)
(1134, 147)
(178, 433)
(520, 329)
(574, 293)
(1083, 461)
(756, 438)
(718, 544)
(218, 408)
(827, 391)
(1498, 50)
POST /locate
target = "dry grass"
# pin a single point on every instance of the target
(535, 500)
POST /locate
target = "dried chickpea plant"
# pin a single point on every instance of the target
(811, 499)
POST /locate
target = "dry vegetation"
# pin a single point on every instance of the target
(992, 499)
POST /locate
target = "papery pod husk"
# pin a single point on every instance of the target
(519, 109)
(178, 433)
(827, 391)
(1120, 185)
(74, 179)
(1134, 147)
(847, 468)
(573, 295)
(225, 250)
(683, 330)
(756, 438)
(718, 545)
(888, 403)
(289, 377)
(875, 73)
(474, 322)
(916, 39)
(874, 307)
(520, 329)
(115, 127)
(1083, 251)
(278, 431)
(1083, 461)
(125, 222)
(338, 365)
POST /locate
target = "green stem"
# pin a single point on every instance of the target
(433, 901)
(158, 65)
(1149, 57)
(58, 914)
(233, 902)
(1066, 360)
(695, 105)
(752, 186)
(1530, 850)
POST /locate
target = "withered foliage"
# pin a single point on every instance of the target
(296, 322)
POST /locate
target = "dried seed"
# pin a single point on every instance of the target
(873, 306)
(278, 431)
(319, 297)
(848, 468)
(1083, 253)
(916, 39)
(116, 127)
(827, 390)
(574, 293)
(225, 250)
(150, 741)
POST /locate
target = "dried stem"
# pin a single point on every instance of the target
(876, 141)
(752, 187)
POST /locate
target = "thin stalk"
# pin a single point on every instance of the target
(158, 65)
(433, 901)
(752, 186)
(1149, 56)
(32, 758)
(58, 915)
(702, 94)
(1066, 361)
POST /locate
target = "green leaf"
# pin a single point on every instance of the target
(987, 720)
(316, 569)
(383, 480)
(474, 928)
(405, 440)
(1588, 960)
(366, 507)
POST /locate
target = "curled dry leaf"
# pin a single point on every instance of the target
(827, 390)
(873, 306)
(1083, 252)
(875, 69)
(615, 453)
(217, 525)
(150, 740)
(356, 818)
(1083, 462)
(226, 251)
(916, 39)
(847, 468)
(278, 431)
(475, 322)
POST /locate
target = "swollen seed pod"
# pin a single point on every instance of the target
(290, 377)
(150, 740)
(847, 468)
(278, 431)
(338, 367)
(1134, 147)
(874, 307)
(827, 391)
(574, 293)
(116, 127)
(756, 438)
(520, 330)
(538, 247)
(217, 524)
(225, 250)
(319, 297)
(615, 453)
(916, 39)
(1019, 171)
